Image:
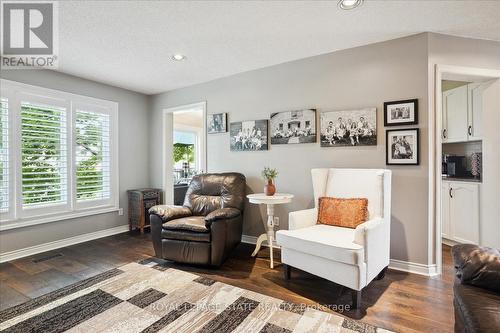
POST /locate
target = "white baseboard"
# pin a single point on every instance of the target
(28, 251)
(405, 266)
(412, 267)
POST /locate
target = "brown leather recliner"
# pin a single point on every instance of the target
(207, 227)
(476, 289)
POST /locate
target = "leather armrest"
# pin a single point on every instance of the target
(477, 266)
(221, 214)
(169, 212)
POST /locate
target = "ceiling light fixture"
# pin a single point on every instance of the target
(178, 57)
(349, 4)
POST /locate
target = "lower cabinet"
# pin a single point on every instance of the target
(460, 211)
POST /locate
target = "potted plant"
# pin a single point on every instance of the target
(269, 175)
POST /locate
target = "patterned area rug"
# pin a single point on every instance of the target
(148, 297)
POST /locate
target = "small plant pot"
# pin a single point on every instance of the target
(269, 188)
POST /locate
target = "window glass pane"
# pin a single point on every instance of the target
(4, 156)
(43, 155)
(93, 158)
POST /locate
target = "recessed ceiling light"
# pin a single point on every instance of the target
(349, 4)
(178, 57)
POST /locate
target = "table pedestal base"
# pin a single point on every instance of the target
(269, 236)
(269, 239)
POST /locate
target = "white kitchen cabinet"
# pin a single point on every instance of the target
(475, 110)
(445, 211)
(455, 110)
(460, 211)
(462, 113)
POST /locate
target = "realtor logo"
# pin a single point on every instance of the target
(28, 34)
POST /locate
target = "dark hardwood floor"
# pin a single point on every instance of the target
(401, 302)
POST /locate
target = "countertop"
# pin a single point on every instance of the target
(462, 179)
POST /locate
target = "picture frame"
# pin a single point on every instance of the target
(348, 128)
(293, 127)
(401, 113)
(217, 123)
(402, 146)
(250, 135)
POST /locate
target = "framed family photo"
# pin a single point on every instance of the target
(249, 135)
(399, 113)
(293, 127)
(348, 128)
(402, 147)
(217, 123)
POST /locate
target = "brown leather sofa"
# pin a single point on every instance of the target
(207, 227)
(476, 289)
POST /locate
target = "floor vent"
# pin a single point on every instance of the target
(47, 257)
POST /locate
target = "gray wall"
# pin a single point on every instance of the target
(360, 77)
(458, 51)
(133, 156)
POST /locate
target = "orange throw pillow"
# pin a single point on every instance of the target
(347, 213)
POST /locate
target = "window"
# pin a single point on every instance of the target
(58, 155)
(93, 158)
(43, 155)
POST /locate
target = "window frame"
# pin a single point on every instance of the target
(17, 216)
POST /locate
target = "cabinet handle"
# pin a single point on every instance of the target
(469, 130)
(444, 133)
(451, 194)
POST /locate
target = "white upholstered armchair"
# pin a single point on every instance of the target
(349, 257)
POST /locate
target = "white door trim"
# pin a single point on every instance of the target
(435, 150)
(166, 125)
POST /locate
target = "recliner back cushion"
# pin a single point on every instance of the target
(358, 183)
(211, 191)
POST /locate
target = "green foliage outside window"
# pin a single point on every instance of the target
(183, 152)
(44, 159)
(41, 154)
(91, 148)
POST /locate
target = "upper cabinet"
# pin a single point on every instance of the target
(475, 108)
(462, 108)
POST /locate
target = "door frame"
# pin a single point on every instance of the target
(443, 72)
(167, 142)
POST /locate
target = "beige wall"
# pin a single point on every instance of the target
(133, 156)
(360, 77)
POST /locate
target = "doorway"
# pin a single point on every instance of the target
(184, 149)
(465, 165)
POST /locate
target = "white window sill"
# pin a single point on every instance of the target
(21, 223)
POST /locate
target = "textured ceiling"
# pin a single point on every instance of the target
(129, 43)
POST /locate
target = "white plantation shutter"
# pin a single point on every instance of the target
(93, 156)
(4, 157)
(58, 155)
(43, 155)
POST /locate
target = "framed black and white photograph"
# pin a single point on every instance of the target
(398, 113)
(249, 135)
(349, 128)
(293, 127)
(402, 147)
(217, 123)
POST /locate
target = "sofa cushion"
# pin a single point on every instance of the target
(477, 266)
(191, 223)
(330, 242)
